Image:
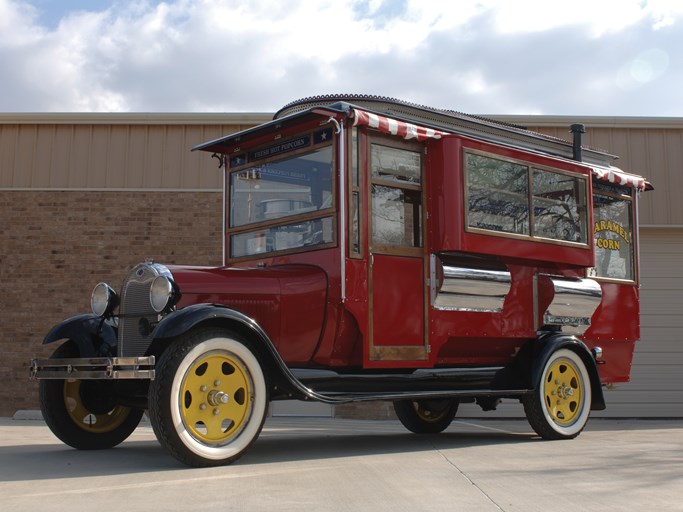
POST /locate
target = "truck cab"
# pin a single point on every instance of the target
(373, 250)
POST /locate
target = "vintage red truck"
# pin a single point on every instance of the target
(373, 250)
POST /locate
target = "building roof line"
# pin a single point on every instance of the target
(138, 118)
(254, 118)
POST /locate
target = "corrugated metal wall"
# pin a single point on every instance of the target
(652, 148)
(112, 152)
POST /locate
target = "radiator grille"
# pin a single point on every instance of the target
(136, 313)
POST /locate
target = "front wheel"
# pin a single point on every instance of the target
(426, 416)
(210, 398)
(84, 413)
(560, 404)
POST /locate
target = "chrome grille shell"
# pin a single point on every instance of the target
(136, 313)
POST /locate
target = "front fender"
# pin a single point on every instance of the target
(183, 320)
(553, 342)
(91, 334)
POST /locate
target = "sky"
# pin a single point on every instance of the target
(528, 57)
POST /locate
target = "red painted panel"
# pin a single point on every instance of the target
(287, 301)
(397, 301)
(446, 204)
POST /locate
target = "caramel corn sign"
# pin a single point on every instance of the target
(604, 240)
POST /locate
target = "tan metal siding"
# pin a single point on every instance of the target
(109, 156)
(656, 153)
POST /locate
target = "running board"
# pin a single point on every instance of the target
(334, 388)
(344, 398)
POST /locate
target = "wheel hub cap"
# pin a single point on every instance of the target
(563, 392)
(216, 398)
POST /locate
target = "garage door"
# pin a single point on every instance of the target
(656, 387)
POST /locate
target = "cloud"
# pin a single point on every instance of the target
(611, 58)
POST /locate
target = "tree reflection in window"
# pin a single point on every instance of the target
(557, 211)
(498, 194)
(499, 199)
(396, 216)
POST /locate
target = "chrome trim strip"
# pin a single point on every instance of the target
(93, 368)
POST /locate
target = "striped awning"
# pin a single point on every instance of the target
(407, 130)
(619, 177)
(393, 126)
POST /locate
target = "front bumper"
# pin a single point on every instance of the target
(93, 368)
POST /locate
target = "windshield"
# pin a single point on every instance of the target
(268, 195)
(272, 190)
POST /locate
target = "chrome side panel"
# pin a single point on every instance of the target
(573, 304)
(469, 289)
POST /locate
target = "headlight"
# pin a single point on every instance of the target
(163, 294)
(103, 300)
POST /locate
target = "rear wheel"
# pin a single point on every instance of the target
(209, 400)
(426, 416)
(560, 404)
(84, 413)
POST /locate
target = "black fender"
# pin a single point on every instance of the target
(93, 336)
(183, 320)
(551, 342)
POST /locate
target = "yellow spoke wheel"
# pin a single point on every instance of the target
(96, 422)
(209, 399)
(84, 413)
(426, 416)
(559, 406)
(216, 398)
(563, 391)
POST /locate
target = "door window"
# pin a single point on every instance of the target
(396, 186)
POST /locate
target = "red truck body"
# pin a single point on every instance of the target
(375, 249)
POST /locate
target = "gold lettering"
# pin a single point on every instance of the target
(610, 245)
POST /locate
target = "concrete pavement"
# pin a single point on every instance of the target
(346, 465)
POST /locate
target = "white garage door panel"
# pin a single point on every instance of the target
(658, 343)
(654, 377)
(656, 387)
(654, 359)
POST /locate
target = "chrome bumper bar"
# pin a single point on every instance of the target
(93, 368)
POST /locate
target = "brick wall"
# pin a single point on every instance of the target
(56, 245)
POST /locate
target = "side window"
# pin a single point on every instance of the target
(498, 194)
(396, 194)
(355, 199)
(513, 197)
(613, 231)
(559, 206)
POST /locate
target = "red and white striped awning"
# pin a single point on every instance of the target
(394, 126)
(619, 177)
(406, 130)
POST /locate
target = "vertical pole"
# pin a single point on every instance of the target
(225, 203)
(342, 207)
